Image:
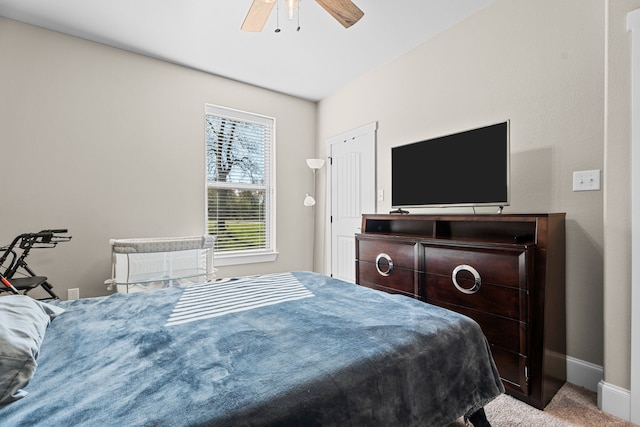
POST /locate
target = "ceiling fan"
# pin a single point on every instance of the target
(344, 11)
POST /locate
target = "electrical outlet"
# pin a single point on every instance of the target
(73, 293)
(586, 180)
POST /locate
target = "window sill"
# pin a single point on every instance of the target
(221, 260)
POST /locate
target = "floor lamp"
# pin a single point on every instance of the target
(309, 200)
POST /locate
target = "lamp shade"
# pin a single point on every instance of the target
(309, 200)
(315, 163)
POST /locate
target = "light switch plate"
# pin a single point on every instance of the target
(586, 180)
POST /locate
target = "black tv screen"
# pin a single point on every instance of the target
(469, 168)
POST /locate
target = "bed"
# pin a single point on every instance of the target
(296, 349)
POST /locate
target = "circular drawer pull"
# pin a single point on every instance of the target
(477, 281)
(389, 264)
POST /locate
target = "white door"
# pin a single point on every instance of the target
(352, 184)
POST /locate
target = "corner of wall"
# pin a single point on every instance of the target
(611, 398)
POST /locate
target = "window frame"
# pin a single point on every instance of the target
(237, 257)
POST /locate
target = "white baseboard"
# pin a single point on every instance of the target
(611, 398)
(584, 374)
(614, 400)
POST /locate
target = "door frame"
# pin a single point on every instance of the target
(633, 25)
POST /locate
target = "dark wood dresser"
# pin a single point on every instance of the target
(505, 271)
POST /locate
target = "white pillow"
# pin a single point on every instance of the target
(23, 322)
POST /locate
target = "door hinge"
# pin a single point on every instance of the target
(526, 375)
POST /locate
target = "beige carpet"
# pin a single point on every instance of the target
(572, 406)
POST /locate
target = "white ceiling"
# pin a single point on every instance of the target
(205, 35)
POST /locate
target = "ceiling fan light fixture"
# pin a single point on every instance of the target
(344, 11)
(293, 7)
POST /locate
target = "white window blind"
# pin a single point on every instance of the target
(240, 205)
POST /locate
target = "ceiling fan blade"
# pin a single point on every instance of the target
(344, 11)
(257, 16)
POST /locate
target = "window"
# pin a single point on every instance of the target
(240, 185)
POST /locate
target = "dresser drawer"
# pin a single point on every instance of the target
(504, 266)
(398, 280)
(508, 340)
(512, 368)
(508, 334)
(401, 254)
(496, 300)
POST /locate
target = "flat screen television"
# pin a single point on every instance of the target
(468, 168)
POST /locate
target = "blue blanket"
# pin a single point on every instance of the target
(316, 351)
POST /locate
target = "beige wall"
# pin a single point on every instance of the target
(539, 64)
(111, 145)
(617, 207)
